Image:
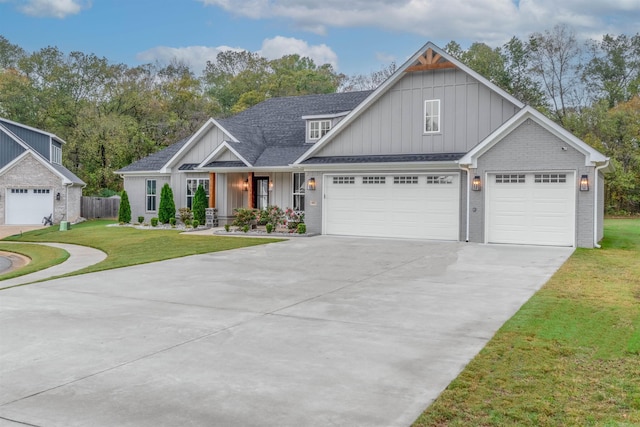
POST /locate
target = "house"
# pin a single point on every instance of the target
(33, 182)
(436, 152)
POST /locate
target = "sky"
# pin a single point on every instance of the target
(355, 36)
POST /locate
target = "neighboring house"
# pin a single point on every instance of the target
(436, 152)
(33, 182)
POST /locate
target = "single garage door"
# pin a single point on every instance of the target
(28, 205)
(421, 206)
(531, 208)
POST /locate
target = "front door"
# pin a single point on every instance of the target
(261, 192)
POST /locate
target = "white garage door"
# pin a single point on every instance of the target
(531, 208)
(28, 205)
(421, 206)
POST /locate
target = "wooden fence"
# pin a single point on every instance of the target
(100, 207)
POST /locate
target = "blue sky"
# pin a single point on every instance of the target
(356, 36)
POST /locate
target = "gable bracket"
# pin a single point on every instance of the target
(430, 61)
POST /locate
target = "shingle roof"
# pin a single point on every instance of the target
(226, 164)
(68, 174)
(271, 133)
(391, 158)
(156, 160)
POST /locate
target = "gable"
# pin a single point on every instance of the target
(39, 141)
(9, 148)
(30, 169)
(200, 147)
(394, 123)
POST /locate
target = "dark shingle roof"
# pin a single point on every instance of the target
(225, 164)
(188, 166)
(390, 158)
(156, 160)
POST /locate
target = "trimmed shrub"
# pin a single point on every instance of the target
(154, 222)
(200, 205)
(302, 228)
(195, 223)
(172, 221)
(269, 227)
(167, 208)
(140, 219)
(124, 213)
(245, 228)
(226, 228)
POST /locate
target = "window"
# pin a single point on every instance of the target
(19, 191)
(413, 179)
(432, 116)
(344, 179)
(151, 195)
(439, 179)
(551, 178)
(41, 191)
(373, 179)
(318, 128)
(509, 179)
(56, 154)
(192, 187)
(298, 191)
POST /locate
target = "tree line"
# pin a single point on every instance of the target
(112, 114)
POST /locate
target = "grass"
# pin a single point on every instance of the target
(570, 356)
(41, 257)
(127, 246)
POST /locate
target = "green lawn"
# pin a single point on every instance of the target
(127, 246)
(570, 356)
(41, 257)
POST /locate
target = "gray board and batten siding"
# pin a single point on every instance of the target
(37, 140)
(470, 111)
(9, 149)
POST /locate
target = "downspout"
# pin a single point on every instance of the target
(466, 239)
(595, 203)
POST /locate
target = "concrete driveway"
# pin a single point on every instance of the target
(310, 332)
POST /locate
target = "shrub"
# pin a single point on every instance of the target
(200, 205)
(140, 219)
(185, 215)
(245, 228)
(226, 228)
(124, 213)
(272, 215)
(293, 218)
(302, 228)
(154, 222)
(167, 208)
(172, 221)
(195, 223)
(244, 217)
(187, 222)
(269, 227)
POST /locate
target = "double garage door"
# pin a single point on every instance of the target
(25, 206)
(424, 206)
(531, 208)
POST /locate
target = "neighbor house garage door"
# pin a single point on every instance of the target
(28, 205)
(531, 208)
(422, 206)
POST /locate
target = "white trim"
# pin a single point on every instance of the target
(143, 173)
(596, 173)
(208, 124)
(39, 158)
(43, 132)
(424, 112)
(147, 195)
(591, 155)
(386, 166)
(217, 150)
(320, 122)
(387, 84)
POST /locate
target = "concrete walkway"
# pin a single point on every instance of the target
(308, 332)
(79, 258)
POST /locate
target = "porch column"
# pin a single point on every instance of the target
(250, 192)
(212, 189)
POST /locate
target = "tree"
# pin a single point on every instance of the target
(167, 209)
(613, 73)
(124, 213)
(520, 83)
(200, 205)
(368, 81)
(555, 58)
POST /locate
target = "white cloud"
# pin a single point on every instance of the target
(279, 46)
(481, 20)
(53, 8)
(197, 56)
(194, 56)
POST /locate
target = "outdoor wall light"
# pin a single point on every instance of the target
(584, 183)
(270, 185)
(245, 185)
(311, 184)
(475, 184)
(58, 197)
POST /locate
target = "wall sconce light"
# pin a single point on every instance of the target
(245, 185)
(270, 185)
(311, 184)
(475, 184)
(58, 197)
(584, 183)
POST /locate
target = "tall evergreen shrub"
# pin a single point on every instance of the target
(200, 205)
(124, 213)
(167, 208)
